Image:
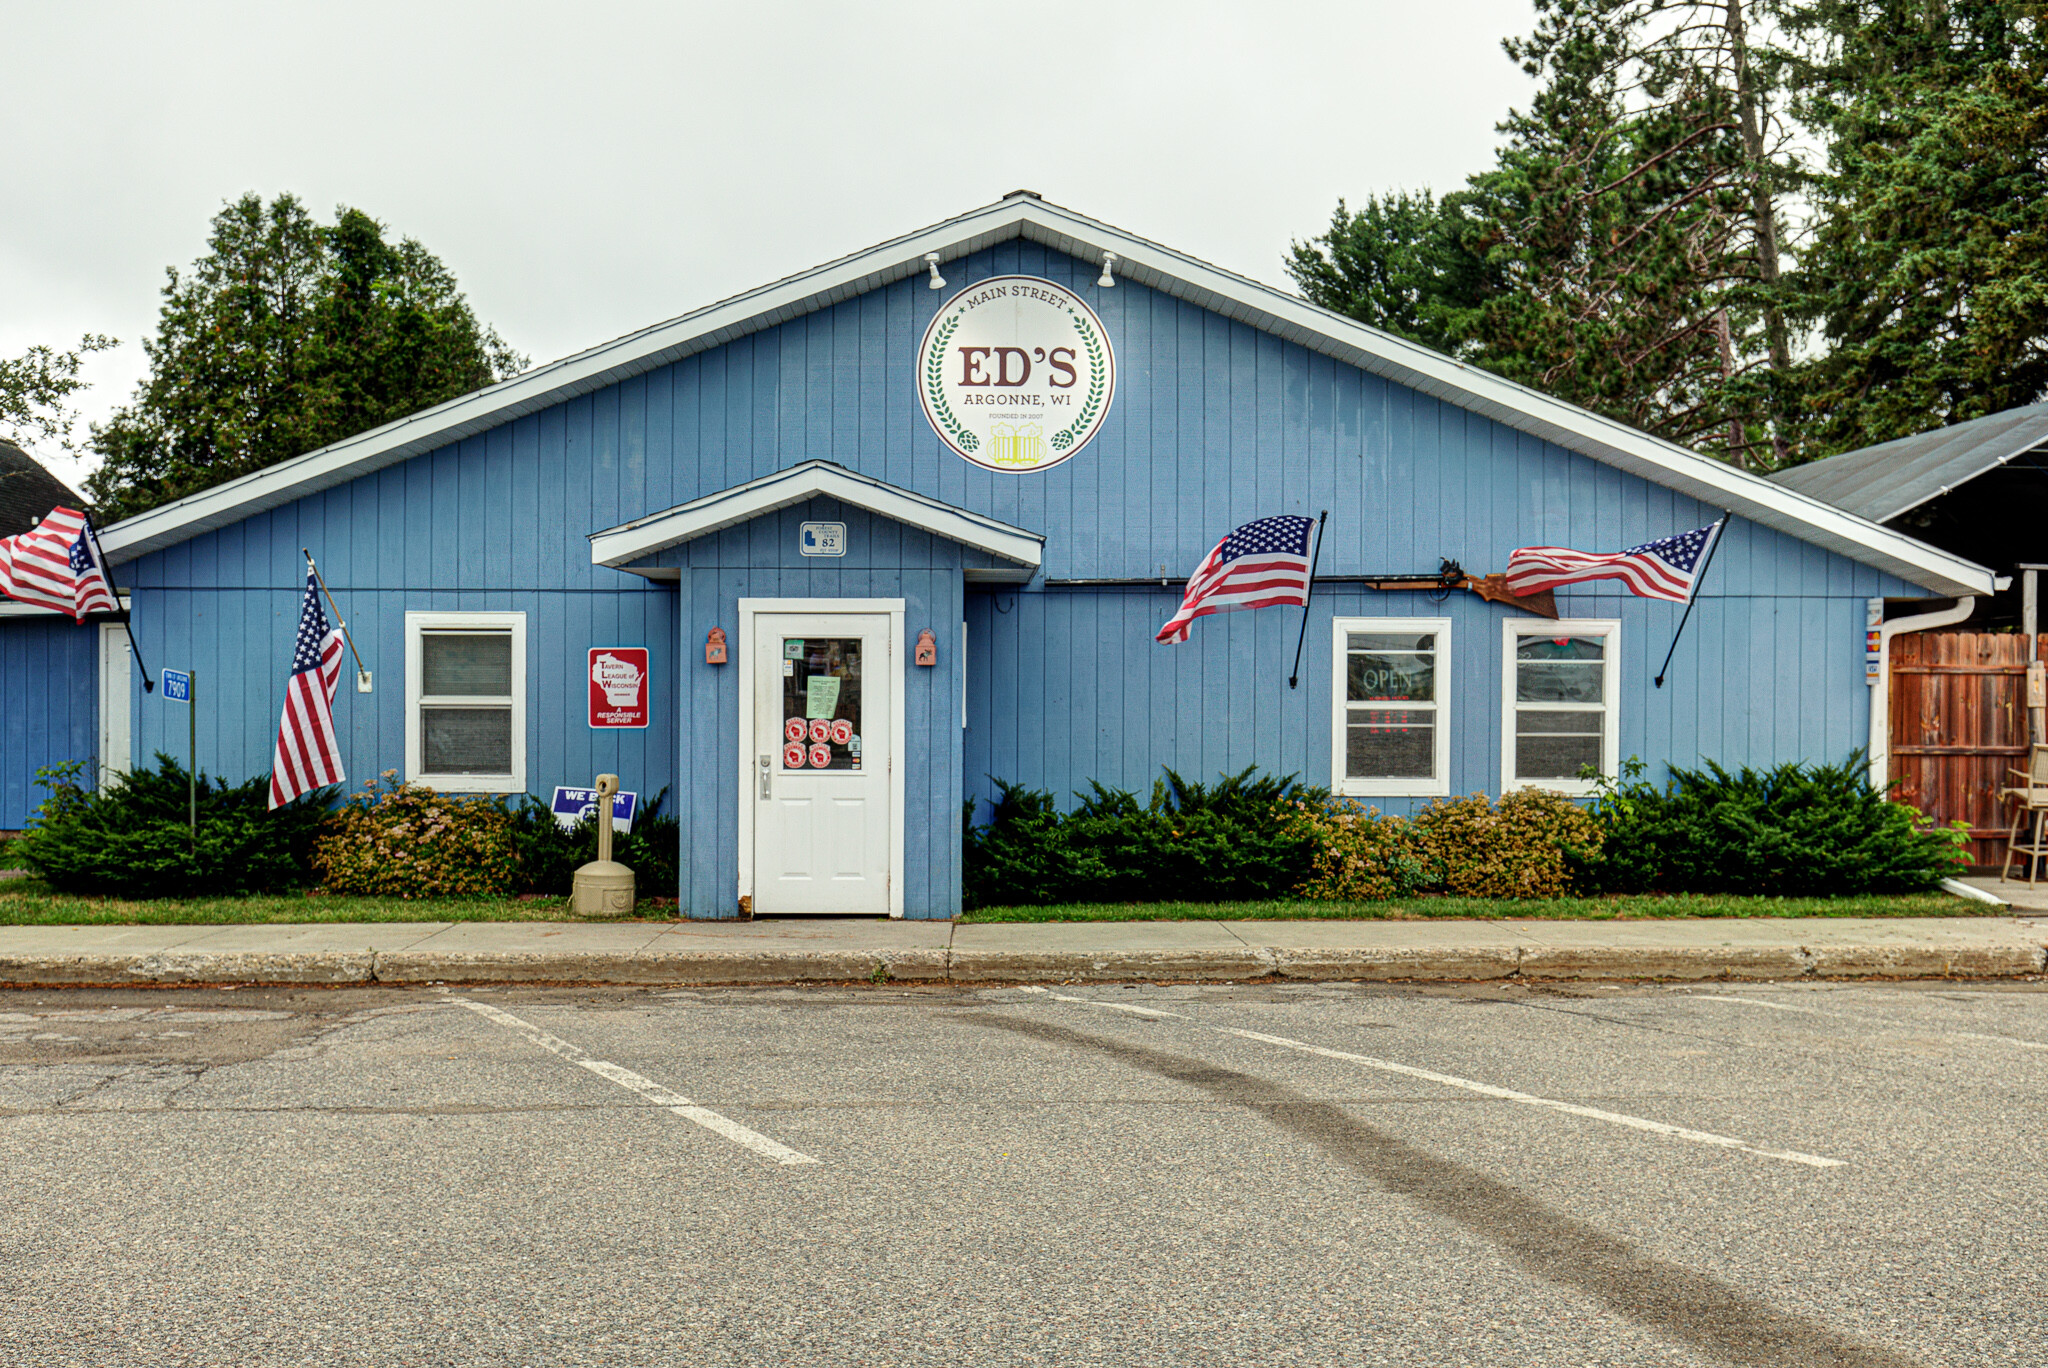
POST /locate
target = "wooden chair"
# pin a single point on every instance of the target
(2028, 793)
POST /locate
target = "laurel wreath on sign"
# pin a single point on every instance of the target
(1066, 436)
(935, 387)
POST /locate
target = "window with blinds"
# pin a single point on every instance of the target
(1559, 723)
(465, 705)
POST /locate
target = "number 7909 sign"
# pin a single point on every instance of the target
(618, 686)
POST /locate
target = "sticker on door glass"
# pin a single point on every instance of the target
(793, 755)
(821, 701)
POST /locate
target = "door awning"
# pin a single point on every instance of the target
(623, 547)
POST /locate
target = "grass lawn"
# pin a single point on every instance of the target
(1424, 909)
(30, 902)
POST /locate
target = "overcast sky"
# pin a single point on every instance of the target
(588, 169)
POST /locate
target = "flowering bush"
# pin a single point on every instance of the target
(406, 841)
(1359, 855)
(1531, 844)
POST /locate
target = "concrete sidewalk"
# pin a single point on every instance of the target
(839, 950)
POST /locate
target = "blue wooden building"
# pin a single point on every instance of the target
(1016, 431)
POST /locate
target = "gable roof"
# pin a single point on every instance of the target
(27, 491)
(1024, 215)
(643, 537)
(1884, 481)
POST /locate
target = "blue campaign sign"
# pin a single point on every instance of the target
(177, 686)
(572, 805)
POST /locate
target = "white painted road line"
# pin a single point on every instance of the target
(1484, 1089)
(1108, 1006)
(675, 1102)
(1890, 1023)
(1529, 1100)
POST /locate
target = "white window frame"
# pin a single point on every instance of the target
(416, 626)
(1367, 786)
(1512, 631)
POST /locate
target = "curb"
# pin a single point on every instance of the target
(1389, 964)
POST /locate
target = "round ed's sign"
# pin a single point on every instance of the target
(1015, 373)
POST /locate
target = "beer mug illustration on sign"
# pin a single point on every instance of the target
(620, 680)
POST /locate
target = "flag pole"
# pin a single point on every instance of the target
(134, 647)
(1693, 597)
(1294, 680)
(314, 571)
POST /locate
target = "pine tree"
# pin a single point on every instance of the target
(1624, 250)
(1927, 275)
(286, 336)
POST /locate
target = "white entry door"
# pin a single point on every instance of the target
(822, 754)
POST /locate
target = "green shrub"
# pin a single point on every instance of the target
(132, 840)
(1795, 829)
(1190, 843)
(549, 853)
(1528, 845)
(407, 841)
(1359, 855)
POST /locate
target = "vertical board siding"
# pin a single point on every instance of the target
(1214, 424)
(49, 706)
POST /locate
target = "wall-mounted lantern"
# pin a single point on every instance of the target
(714, 647)
(927, 648)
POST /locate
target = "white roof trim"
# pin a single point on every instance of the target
(618, 546)
(1146, 263)
(10, 609)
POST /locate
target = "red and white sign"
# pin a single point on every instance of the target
(618, 686)
(793, 729)
(821, 729)
(793, 755)
(842, 731)
(821, 756)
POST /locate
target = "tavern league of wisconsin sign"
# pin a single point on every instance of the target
(1016, 373)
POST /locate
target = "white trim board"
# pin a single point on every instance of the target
(10, 609)
(1022, 215)
(745, 740)
(643, 537)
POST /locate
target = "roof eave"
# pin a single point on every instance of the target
(617, 547)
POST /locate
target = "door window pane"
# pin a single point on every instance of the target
(466, 740)
(466, 664)
(821, 704)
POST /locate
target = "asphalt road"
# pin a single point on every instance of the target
(1332, 1174)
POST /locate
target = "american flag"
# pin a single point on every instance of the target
(1259, 565)
(308, 751)
(1666, 569)
(52, 565)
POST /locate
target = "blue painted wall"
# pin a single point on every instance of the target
(1214, 424)
(49, 706)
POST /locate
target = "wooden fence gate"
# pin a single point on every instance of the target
(1959, 721)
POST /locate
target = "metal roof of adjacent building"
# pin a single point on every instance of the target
(27, 491)
(1883, 481)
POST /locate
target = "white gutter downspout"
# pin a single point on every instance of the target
(1881, 690)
